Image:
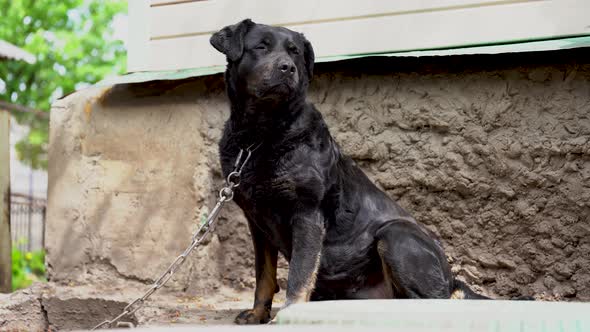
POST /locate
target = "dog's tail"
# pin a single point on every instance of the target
(462, 291)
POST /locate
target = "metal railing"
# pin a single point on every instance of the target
(27, 222)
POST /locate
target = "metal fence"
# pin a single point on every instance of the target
(27, 222)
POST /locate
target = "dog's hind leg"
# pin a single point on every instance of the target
(266, 279)
(413, 262)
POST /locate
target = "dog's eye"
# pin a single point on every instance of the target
(261, 47)
(293, 49)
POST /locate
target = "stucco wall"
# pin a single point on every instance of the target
(491, 152)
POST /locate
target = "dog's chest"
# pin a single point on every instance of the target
(267, 197)
(270, 184)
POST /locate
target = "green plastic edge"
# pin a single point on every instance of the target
(491, 48)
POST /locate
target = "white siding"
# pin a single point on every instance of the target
(170, 35)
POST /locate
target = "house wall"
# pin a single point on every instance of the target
(490, 152)
(172, 35)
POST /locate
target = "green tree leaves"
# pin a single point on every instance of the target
(73, 43)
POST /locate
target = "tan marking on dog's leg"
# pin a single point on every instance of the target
(303, 267)
(266, 285)
(458, 294)
(381, 249)
(305, 294)
(266, 281)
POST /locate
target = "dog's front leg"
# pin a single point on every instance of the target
(266, 279)
(308, 236)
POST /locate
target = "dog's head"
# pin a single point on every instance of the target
(264, 62)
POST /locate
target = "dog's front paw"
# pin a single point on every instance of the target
(252, 317)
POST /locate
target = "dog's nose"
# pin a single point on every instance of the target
(287, 68)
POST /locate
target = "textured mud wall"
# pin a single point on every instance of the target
(490, 152)
(129, 168)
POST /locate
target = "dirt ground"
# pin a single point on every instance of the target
(70, 307)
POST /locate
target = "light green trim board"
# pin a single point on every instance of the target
(526, 46)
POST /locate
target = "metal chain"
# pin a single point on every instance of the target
(226, 194)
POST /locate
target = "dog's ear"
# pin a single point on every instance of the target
(230, 40)
(309, 57)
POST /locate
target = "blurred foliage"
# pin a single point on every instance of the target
(74, 46)
(27, 267)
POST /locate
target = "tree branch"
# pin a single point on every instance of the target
(22, 109)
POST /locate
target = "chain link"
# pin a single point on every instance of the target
(226, 194)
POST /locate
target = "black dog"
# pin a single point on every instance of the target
(343, 237)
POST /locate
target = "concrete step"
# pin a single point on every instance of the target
(443, 315)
